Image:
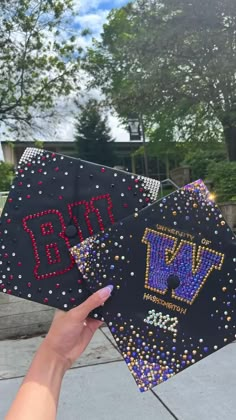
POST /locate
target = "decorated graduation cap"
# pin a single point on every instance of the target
(173, 266)
(56, 202)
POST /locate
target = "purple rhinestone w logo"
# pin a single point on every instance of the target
(168, 257)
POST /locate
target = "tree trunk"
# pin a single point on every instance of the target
(133, 163)
(230, 139)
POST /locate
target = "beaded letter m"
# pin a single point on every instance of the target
(165, 257)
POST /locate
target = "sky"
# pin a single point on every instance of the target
(90, 14)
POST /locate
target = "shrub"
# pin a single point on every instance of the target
(199, 161)
(6, 175)
(223, 176)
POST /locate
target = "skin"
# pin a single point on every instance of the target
(68, 337)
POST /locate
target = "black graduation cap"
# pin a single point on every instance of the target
(56, 201)
(173, 266)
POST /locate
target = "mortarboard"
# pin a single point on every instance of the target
(173, 266)
(56, 201)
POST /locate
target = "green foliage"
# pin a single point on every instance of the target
(93, 139)
(172, 139)
(223, 175)
(86, 32)
(200, 159)
(6, 175)
(39, 144)
(38, 62)
(171, 57)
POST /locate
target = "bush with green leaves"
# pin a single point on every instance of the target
(200, 159)
(6, 175)
(223, 176)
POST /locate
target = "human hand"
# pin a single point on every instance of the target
(71, 332)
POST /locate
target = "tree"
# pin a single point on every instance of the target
(93, 139)
(168, 56)
(39, 60)
(177, 140)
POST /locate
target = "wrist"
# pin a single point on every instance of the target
(53, 358)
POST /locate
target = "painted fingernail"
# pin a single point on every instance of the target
(106, 291)
(111, 287)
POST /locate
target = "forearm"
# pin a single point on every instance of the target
(68, 336)
(37, 398)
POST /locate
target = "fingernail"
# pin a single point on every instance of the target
(106, 291)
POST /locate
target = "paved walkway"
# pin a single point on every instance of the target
(100, 387)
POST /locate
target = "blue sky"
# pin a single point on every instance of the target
(92, 14)
(96, 5)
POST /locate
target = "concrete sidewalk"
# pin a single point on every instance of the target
(100, 386)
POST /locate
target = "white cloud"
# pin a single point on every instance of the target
(93, 21)
(119, 133)
(85, 6)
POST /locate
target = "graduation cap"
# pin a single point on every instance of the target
(173, 266)
(56, 202)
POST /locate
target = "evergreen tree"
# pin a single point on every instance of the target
(93, 139)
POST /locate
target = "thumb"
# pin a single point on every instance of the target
(94, 301)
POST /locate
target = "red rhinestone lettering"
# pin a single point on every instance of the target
(42, 246)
